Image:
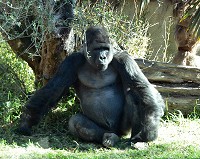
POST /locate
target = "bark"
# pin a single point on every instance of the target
(54, 28)
(179, 85)
(52, 55)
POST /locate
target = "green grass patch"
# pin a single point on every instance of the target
(51, 139)
(160, 151)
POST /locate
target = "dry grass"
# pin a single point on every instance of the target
(179, 138)
(183, 131)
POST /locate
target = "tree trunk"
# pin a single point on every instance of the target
(39, 36)
(179, 85)
(52, 54)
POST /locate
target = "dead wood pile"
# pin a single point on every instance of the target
(179, 85)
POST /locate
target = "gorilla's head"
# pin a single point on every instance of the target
(97, 48)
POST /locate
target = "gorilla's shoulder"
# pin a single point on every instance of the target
(75, 56)
(123, 56)
(73, 60)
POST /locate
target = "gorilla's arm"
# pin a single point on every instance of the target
(151, 106)
(66, 75)
(48, 96)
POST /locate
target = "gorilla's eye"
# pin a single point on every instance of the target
(105, 48)
(102, 49)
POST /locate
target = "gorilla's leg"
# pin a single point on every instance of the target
(84, 128)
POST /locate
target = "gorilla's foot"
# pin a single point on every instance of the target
(110, 139)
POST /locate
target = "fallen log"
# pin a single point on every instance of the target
(179, 85)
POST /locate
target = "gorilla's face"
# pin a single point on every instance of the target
(97, 49)
(99, 57)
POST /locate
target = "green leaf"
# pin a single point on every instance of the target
(193, 12)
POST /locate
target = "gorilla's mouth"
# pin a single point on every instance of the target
(101, 67)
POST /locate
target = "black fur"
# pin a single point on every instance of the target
(115, 95)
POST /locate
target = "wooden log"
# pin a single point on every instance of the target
(179, 85)
(178, 91)
(165, 72)
(185, 105)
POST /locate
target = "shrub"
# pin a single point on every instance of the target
(130, 34)
(17, 81)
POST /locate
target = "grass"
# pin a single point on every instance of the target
(178, 138)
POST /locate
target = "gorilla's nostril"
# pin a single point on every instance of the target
(102, 57)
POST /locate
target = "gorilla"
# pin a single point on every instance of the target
(115, 96)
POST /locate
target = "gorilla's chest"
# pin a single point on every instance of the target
(101, 95)
(96, 79)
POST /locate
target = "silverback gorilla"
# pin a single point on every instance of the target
(115, 95)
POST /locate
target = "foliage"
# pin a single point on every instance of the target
(193, 12)
(31, 20)
(16, 80)
(130, 34)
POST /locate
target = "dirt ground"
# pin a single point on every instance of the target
(184, 131)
